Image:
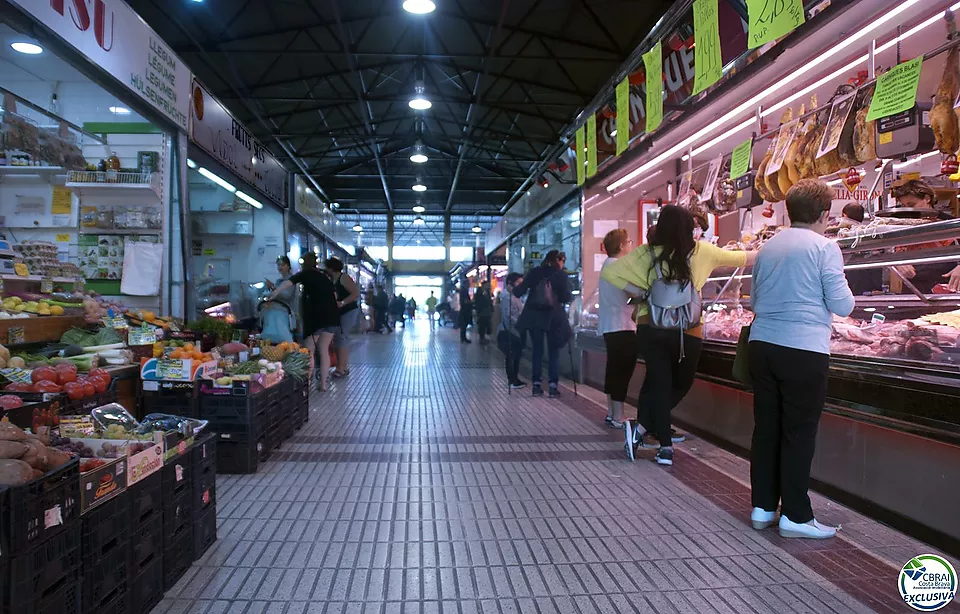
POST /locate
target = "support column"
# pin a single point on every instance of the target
(447, 239)
(390, 240)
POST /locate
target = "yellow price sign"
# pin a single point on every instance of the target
(21, 269)
(63, 238)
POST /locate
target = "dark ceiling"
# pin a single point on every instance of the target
(328, 81)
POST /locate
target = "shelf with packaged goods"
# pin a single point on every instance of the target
(99, 183)
(37, 278)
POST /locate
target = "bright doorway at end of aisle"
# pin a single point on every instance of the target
(419, 287)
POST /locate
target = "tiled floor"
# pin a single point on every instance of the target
(420, 485)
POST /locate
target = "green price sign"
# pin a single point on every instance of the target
(653, 67)
(740, 159)
(708, 63)
(896, 90)
(772, 19)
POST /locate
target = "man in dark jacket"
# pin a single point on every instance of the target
(466, 311)
(483, 304)
(544, 317)
(381, 305)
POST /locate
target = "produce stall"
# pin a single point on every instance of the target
(894, 384)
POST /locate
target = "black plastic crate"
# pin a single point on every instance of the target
(40, 509)
(42, 572)
(145, 588)
(204, 491)
(177, 517)
(177, 558)
(177, 398)
(146, 501)
(204, 531)
(205, 453)
(66, 600)
(117, 604)
(106, 528)
(82, 407)
(238, 457)
(104, 580)
(226, 407)
(146, 545)
(177, 475)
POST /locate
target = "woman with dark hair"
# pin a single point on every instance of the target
(544, 318)
(348, 294)
(798, 286)
(674, 256)
(320, 316)
(276, 313)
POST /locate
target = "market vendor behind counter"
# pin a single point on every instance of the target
(940, 277)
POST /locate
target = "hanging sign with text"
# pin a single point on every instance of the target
(708, 64)
(772, 19)
(653, 67)
(896, 90)
(740, 159)
(113, 37)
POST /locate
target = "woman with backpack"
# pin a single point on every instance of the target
(545, 319)
(669, 271)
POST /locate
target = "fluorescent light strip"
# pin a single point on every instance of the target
(900, 165)
(905, 261)
(217, 180)
(753, 102)
(249, 199)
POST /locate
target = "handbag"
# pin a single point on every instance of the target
(741, 363)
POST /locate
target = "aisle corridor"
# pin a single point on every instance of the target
(419, 486)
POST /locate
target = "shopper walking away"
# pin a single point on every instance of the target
(618, 330)
(369, 298)
(348, 293)
(412, 308)
(465, 317)
(381, 308)
(508, 337)
(320, 316)
(677, 265)
(483, 305)
(454, 315)
(431, 307)
(798, 285)
(277, 313)
(544, 319)
(397, 306)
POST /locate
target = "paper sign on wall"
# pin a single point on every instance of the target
(61, 201)
(623, 115)
(653, 67)
(771, 19)
(708, 64)
(896, 90)
(602, 227)
(598, 260)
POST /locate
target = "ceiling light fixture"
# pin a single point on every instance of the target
(420, 102)
(419, 209)
(191, 163)
(476, 227)
(752, 102)
(544, 182)
(120, 110)
(249, 199)
(27, 48)
(217, 180)
(418, 156)
(357, 227)
(417, 7)
(418, 187)
(418, 221)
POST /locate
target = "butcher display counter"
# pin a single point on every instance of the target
(893, 410)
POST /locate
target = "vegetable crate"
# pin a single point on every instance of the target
(232, 407)
(169, 397)
(177, 478)
(39, 410)
(204, 531)
(146, 587)
(82, 407)
(105, 580)
(239, 457)
(177, 557)
(41, 509)
(146, 503)
(37, 580)
(106, 528)
(204, 474)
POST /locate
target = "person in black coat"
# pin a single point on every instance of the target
(466, 311)
(483, 305)
(544, 317)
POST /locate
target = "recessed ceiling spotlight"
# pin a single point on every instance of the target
(27, 48)
(357, 227)
(120, 110)
(417, 7)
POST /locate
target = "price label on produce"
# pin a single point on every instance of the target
(16, 374)
(170, 369)
(116, 322)
(46, 286)
(15, 335)
(140, 336)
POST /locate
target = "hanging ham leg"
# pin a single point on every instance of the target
(943, 120)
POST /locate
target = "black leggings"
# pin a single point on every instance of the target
(789, 390)
(668, 377)
(621, 362)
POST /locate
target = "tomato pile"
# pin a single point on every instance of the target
(64, 378)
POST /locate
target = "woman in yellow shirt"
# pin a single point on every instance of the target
(669, 371)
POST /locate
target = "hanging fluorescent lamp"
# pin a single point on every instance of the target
(214, 178)
(419, 7)
(419, 102)
(476, 227)
(357, 227)
(418, 187)
(419, 209)
(249, 200)
(418, 156)
(418, 221)
(191, 163)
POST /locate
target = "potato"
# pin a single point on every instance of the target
(56, 458)
(36, 455)
(10, 431)
(12, 449)
(14, 472)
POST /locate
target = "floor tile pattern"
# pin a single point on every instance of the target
(422, 485)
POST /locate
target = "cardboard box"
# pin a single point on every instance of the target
(102, 484)
(186, 369)
(141, 465)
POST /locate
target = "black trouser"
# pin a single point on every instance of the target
(464, 321)
(483, 326)
(621, 362)
(379, 320)
(668, 377)
(513, 358)
(789, 390)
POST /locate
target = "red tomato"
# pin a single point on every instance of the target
(19, 387)
(47, 386)
(66, 366)
(101, 373)
(9, 401)
(43, 373)
(65, 376)
(89, 389)
(99, 383)
(75, 391)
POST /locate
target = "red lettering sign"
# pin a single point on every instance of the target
(80, 15)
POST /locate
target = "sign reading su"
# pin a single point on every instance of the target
(79, 12)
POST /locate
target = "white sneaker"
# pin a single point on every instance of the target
(614, 424)
(628, 438)
(811, 530)
(762, 519)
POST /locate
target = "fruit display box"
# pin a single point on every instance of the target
(143, 458)
(102, 483)
(185, 369)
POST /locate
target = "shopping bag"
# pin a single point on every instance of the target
(741, 363)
